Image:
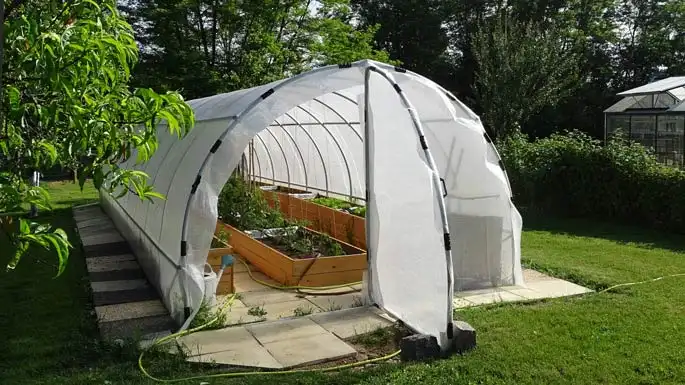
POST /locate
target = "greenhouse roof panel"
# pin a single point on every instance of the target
(625, 103)
(678, 93)
(657, 86)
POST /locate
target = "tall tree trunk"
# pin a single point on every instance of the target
(203, 33)
(214, 31)
(2, 51)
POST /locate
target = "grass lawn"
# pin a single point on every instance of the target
(633, 336)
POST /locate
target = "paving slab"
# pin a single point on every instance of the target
(230, 346)
(335, 291)
(471, 293)
(530, 275)
(239, 315)
(529, 294)
(494, 297)
(287, 309)
(114, 262)
(109, 313)
(225, 297)
(309, 350)
(268, 296)
(351, 322)
(459, 303)
(132, 284)
(243, 283)
(286, 329)
(537, 286)
(337, 302)
(557, 288)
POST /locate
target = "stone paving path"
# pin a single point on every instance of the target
(285, 343)
(537, 286)
(269, 328)
(127, 306)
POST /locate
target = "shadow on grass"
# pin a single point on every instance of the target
(619, 233)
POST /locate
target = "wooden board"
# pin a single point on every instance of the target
(287, 271)
(338, 224)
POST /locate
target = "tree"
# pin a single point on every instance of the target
(520, 70)
(66, 100)
(206, 47)
(411, 31)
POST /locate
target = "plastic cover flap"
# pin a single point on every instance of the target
(408, 271)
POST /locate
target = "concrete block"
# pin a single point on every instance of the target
(419, 347)
(464, 337)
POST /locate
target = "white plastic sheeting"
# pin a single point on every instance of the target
(307, 133)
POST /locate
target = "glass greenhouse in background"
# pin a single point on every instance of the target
(654, 116)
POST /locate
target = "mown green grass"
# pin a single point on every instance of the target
(632, 336)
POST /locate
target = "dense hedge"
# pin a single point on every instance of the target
(575, 175)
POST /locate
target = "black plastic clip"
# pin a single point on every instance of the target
(444, 187)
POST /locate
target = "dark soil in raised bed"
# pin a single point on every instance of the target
(280, 244)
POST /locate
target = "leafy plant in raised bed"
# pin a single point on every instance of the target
(299, 242)
(245, 208)
(339, 204)
(220, 239)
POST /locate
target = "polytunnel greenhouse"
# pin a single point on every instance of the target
(439, 215)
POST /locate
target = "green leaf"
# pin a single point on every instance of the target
(153, 194)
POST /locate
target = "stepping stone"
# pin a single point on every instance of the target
(136, 327)
(114, 262)
(102, 298)
(107, 249)
(309, 350)
(133, 284)
(351, 322)
(108, 237)
(130, 310)
(285, 330)
(230, 346)
(116, 275)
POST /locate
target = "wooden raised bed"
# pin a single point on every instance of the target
(338, 224)
(323, 271)
(214, 259)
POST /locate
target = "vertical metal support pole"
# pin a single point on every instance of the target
(656, 135)
(682, 138)
(367, 157)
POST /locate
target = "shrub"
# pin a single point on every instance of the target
(572, 174)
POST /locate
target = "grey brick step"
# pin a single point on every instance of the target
(136, 327)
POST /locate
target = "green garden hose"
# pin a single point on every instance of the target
(640, 282)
